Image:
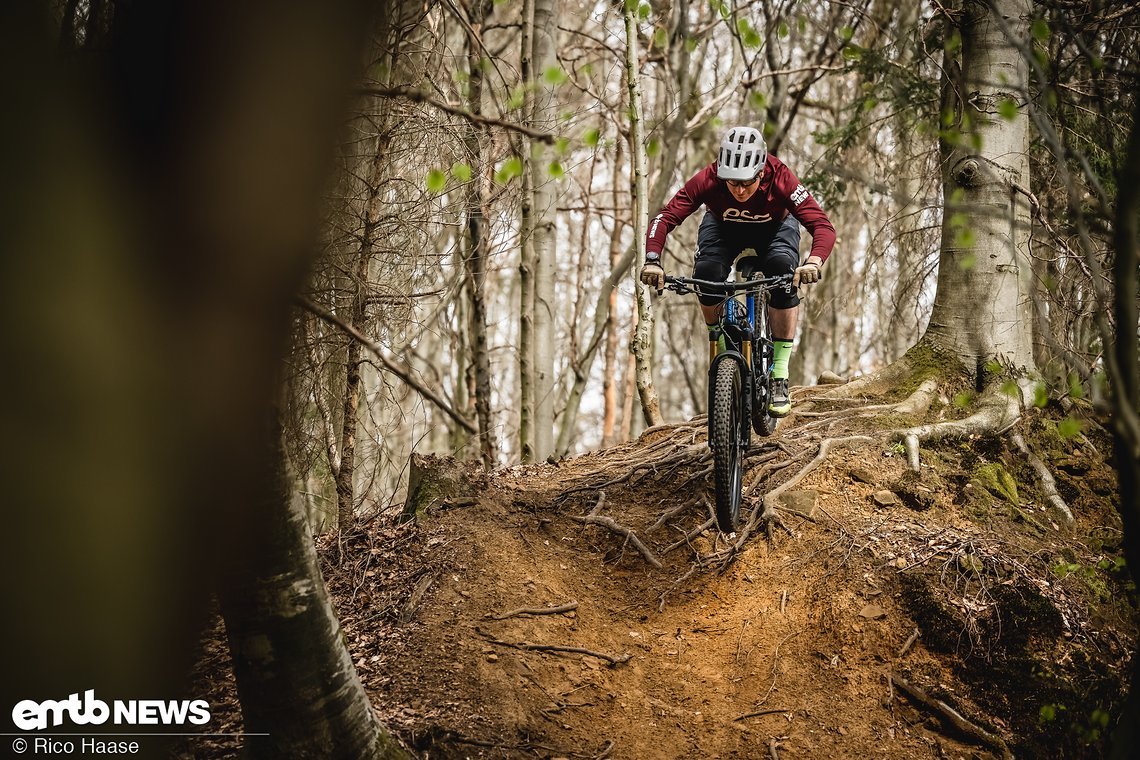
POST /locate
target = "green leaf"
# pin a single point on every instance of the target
(500, 2)
(587, 69)
(757, 100)
(1069, 427)
(1040, 395)
(1040, 30)
(993, 367)
(852, 52)
(690, 45)
(555, 76)
(962, 400)
(749, 37)
(591, 137)
(509, 169)
(436, 181)
(660, 37)
(461, 171)
(556, 170)
(1008, 109)
(846, 33)
(1009, 388)
(517, 98)
(782, 30)
(643, 11)
(653, 147)
(967, 262)
(1076, 387)
(562, 145)
(1047, 713)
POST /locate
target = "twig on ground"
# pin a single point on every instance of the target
(630, 536)
(758, 713)
(611, 659)
(569, 606)
(684, 540)
(773, 748)
(783, 601)
(952, 716)
(909, 643)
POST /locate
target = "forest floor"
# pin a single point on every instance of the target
(958, 583)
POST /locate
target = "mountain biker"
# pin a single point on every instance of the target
(753, 201)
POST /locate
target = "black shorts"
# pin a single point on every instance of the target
(719, 245)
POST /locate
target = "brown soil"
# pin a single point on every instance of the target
(786, 652)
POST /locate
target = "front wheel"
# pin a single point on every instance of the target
(762, 422)
(724, 434)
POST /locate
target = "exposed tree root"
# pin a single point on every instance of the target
(997, 413)
(1045, 479)
(915, 404)
(621, 530)
(559, 610)
(769, 516)
(611, 659)
(952, 716)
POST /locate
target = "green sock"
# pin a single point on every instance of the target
(721, 345)
(782, 351)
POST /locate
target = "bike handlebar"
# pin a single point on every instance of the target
(688, 284)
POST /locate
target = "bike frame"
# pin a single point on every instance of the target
(744, 333)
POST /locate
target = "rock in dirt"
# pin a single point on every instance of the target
(830, 378)
(872, 612)
(862, 474)
(800, 501)
(885, 498)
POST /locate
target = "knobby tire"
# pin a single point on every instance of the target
(728, 459)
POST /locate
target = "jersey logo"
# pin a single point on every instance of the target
(744, 215)
(799, 195)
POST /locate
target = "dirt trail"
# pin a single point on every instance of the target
(787, 653)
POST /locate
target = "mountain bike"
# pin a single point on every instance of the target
(740, 380)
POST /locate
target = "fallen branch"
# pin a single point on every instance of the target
(568, 607)
(952, 716)
(630, 536)
(1045, 478)
(524, 645)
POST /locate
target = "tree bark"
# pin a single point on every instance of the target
(982, 310)
(295, 678)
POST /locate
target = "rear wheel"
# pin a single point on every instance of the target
(724, 431)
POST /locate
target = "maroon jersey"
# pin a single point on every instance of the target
(779, 194)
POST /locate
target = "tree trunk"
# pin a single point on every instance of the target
(610, 367)
(526, 252)
(1126, 399)
(643, 331)
(475, 258)
(350, 421)
(295, 678)
(981, 309)
(542, 234)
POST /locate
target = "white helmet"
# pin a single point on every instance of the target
(742, 154)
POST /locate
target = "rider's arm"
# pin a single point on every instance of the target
(687, 200)
(803, 207)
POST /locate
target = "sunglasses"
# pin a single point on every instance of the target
(742, 183)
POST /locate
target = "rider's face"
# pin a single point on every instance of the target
(742, 192)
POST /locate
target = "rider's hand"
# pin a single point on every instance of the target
(809, 273)
(653, 275)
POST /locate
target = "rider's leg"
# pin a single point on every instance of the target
(714, 259)
(783, 309)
